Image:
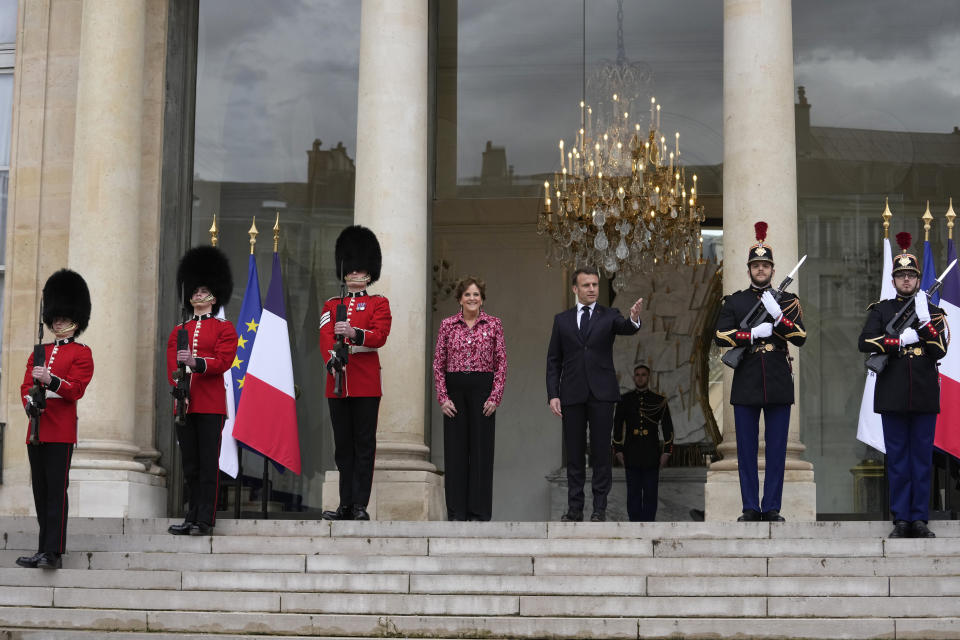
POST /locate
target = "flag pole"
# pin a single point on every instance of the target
(253, 233)
(264, 497)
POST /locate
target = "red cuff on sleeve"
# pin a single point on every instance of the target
(743, 335)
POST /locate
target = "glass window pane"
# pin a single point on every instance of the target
(876, 118)
(6, 113)
(8, 21)
(276, 132)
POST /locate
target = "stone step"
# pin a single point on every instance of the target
(25, 624)
(403, 529)
(887, 566)
(152, 561)
(110, 579)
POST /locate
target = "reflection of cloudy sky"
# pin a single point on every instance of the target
(272, 77)
(881, 64)
(270, 81)
(520, 66)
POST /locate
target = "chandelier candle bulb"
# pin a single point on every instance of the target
(658, 117)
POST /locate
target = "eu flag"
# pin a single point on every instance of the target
(247, 324)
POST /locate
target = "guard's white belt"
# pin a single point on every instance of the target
(361, 349)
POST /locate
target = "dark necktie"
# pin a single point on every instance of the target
(585, 322)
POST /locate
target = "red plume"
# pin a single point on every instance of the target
(761, 229)
(904, 239)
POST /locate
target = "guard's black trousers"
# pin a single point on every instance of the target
(199, 442)
(355, 446)
(642, 489)
(50, 473)
(468, 443)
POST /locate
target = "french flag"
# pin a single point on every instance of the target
(267, 415)
(869, 425)
(947, 436)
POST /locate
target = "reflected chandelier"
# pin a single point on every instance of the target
(621, 200)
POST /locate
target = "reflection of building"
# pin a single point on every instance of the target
(843, 175)
(312, 215)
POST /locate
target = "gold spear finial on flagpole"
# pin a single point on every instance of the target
(887, 214)
(214, 232)
(950, 216)
(927, 218)
(276, 234)
(253, 234)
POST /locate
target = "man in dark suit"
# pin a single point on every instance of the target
(582, 387)
(640, 416)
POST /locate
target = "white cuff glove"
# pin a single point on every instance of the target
(771, 305)
(764, 330)
(909, 336)
(920, 303)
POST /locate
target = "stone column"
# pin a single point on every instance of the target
(759, 183)
(104, 246)
(391, 199)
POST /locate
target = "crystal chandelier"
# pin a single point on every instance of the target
(621, 199)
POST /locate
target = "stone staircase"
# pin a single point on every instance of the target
(125, 579)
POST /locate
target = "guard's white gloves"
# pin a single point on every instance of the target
(909, 336)
(764, 330)
(771, 305)
(923, 311)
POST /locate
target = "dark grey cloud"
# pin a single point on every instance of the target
(520, 68)
(873, 29)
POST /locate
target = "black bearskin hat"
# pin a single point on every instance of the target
(205, 266)
(65, 295)
(357, 249)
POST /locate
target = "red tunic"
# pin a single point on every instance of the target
(71, 369)
(370, 314)
(216, 344)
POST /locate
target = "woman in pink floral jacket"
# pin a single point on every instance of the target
(469, 371)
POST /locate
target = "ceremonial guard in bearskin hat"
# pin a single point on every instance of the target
(205, 284)
(640, 416)
(907, 394)
(353, 327)
(50, 392)
(763, 380)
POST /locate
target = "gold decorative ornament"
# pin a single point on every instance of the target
(214, 232)
(904, 261)
(927, 218)
(950, 215)
(887, 214)
(253, 233)
(276, 234)
(761, 251)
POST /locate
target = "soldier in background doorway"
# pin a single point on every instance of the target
(640, 416)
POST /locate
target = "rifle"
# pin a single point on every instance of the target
(38, 392)
(905, 317)
(758, 314)
(341, 352)
(181, 389)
